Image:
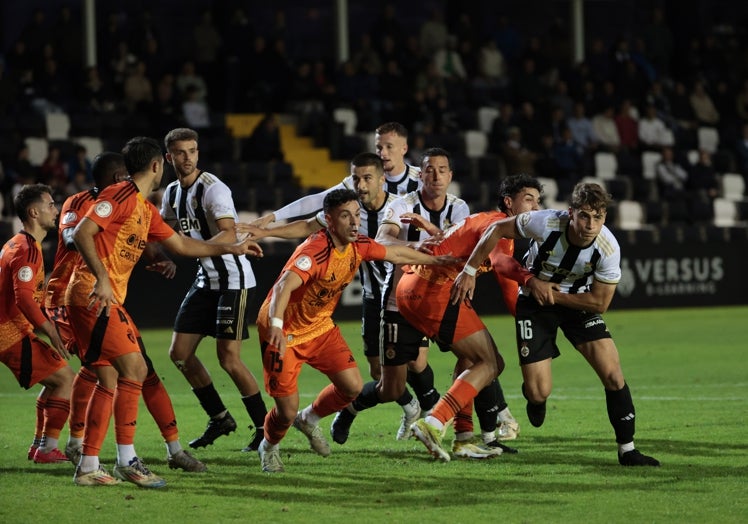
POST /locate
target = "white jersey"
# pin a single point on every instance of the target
(552, 258)
(194, 211)
(404, 183)
(454, 210)
(374, 272)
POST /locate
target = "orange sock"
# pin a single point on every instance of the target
(464, 419)
(98, 414)
(56, 413)
(126, 398)
(459, 395)
(41, 401)
(330, 400)
(160, 407)
(83, 386)
(274, 428)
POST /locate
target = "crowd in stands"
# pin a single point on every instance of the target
(633, 93)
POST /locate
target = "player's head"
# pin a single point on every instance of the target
(391, 142)
(35, 202)
(436, 171)
(367, 172)
(182, 150)
(519, 193)
(343, 215)
(587, 208)
(143, 156)
(108, 168)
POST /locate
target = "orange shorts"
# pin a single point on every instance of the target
(102, 339)
(328, 353)
(425, 305)
(59, 315)
(31, 360)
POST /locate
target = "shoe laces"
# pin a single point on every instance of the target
(138, 465)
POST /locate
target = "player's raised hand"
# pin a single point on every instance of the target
(420, 222)
(247, 247)
(462, 288)
(167, 268)
(244, 230)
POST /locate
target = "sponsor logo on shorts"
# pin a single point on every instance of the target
(25, 274)
(224, 308)
(304, 263)
(103, 209)
(390, 353)
(593, 323)
(225, 321)
(69, 218)
(524, 350)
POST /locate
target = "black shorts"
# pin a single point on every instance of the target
(219, 314)
(537, 326)
(371, 326)
(401, 342)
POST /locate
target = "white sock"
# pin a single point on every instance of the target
(309, 416)
(48, 444)
(488, 436)
(623, 448)
(88, 463)
(438, 424)
(506, 416)
(463, 436)
(75, 442)
(125, 454)
(173, 447)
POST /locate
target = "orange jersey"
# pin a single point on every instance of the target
(21, 288)
(74, 208)
(127, 222)
(325, 272)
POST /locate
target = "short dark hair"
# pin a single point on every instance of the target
(179, 134)
(393, 127)
(104, 165)
(368, 159)
(512, 185)
(436, 151)
(590, 194)
(139, 152)
(28, 195)
(337, 198)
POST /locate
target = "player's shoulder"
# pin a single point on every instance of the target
(414, 172)
(607, 242)
(208, 179)
(119, 192)
(455, 201)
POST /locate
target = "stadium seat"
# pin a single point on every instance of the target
(630, 215)
(649, 164)
(476, 143)
(550, 188)
(732, 186)
(725, 212)
(486, 117)
(708, 138)
(93, 145)
(38, 148)
(58, 126)
(347, 117)
(606, 165)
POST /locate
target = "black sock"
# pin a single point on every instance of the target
(256, 409)
(487, 407)
(621, 413)
(423, 386)
(210, 400)
(368, 397)
(405, 398)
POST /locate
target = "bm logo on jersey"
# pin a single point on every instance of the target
(188, 224)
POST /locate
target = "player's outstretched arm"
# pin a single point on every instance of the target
(295, 229)
(190, 247)
(407, 255)
(597, 300)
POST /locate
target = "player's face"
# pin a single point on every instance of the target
(585, 225)
(182, 156)
(367, 183)
(391, 148)
(344, 221)
(436, 176)
(527, 199)
(47, 212)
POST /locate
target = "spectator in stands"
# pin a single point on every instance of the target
(569, 158)
(518, 158)
(264, 145)
(741, 102)
(653, 134)
(530, 124)
(526, 84)
(703, 106)
(492, 65)
(741, 150)
(138, 89)
(500, 128)
(96, 93)
(53, 172)
(188, 76)
(606, 130)
(658, 39)
(560, 98)
(366, 56)
(627, 127)
(702, 177)
(166, 110)
(581, 129)
(121, 64)
(195, 110)
(672, 178)
(448, 62)
(434, 33)
(80, 163)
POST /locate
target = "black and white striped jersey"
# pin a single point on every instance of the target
(194, 211)
(552, 258)
(454, 210)
(374, 272)
(404, 183)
